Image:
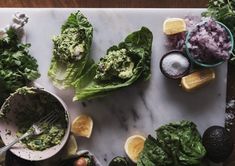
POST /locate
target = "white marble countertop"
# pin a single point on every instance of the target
(141, 108)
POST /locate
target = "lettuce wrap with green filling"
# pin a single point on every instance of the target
(71, 51)
(122, 66)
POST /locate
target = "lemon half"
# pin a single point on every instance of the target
(82, 126)
(133, 146)
(173, 26)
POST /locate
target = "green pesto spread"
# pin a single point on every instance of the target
(69, 45)
(115, 65)
(41, 104)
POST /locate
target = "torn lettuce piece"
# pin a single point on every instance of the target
(120, 67)
(71, 51)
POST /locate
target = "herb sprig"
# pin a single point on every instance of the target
(17, 67)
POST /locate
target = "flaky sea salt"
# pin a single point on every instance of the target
(175, 64)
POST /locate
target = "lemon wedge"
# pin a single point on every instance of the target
(173, 26)
(133, 146)
(82, 126)
(197, 79)
(71, 147)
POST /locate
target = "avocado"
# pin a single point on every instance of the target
(218, 143)
(119, 161)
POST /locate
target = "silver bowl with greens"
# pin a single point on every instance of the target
(25, 107)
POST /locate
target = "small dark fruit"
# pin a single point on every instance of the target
(218, 143)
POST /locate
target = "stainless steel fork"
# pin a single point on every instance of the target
(36, 129)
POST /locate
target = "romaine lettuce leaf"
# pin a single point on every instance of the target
(71, 51)
(177, 144)
(120, 67)
(153, 154)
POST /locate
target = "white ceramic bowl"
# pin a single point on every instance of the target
(8, 126)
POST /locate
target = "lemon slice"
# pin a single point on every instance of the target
(133, 146)
(71, 147)
(82, 126)
(173, 26)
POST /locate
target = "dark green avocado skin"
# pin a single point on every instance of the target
(218, 143)
(119, 161)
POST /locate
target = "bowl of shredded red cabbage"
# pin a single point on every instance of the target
(209, 43)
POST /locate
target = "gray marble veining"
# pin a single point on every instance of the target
(140, 108)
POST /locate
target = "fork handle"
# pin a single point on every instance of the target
(5, 148)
